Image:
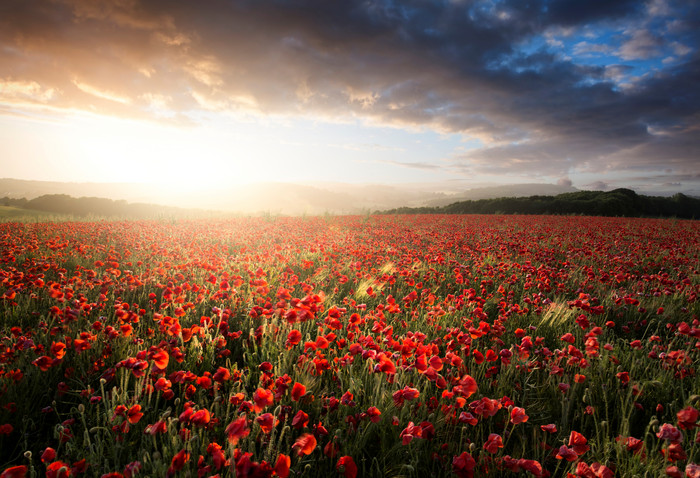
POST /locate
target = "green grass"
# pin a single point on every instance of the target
(15, 214)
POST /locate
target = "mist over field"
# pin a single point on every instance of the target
(279, 197)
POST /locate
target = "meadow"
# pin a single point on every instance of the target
(350, 346)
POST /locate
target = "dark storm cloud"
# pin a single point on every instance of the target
(573, 12)
(452, 66)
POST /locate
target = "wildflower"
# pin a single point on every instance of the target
(624, 377)
(201, 417)
(262, 398)
(634, 445)
(566, 453)
(410, 432)
(178, 462)
(58, 349)
(407, 393)
(346, 466)
(374, 414)
(221, 375)
(467, 386)
(674, 452)
(298, 390)
(15, 472)
(157, 427)
(687, 418)
(282, 466)
(517, 415)
(48, 455)
(305, 444)
(58, 469)
(670, 433)
(44, 363)
(463, 465)
(300, 420)
(692, 470)
(578, 443)
(134, 414)
(493, 443)
(237, 429)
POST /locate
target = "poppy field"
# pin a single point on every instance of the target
(351, 346)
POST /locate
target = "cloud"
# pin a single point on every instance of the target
(446, 66)
(597, 186)
(641, 45)
(564, 182)
(591, 49)
(414, 165)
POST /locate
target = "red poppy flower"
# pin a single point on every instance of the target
(134, 414)
(566, 453)
(670, 433)
(674, 452)
(692, 470)
(293, 338)
(58, 469)
(346, 466)
(15, 472)
(178, 462)
(463, 465)
(300, 420)
(221, 375)
(517, 415)
(201, 417)
(493, 443)
(410, 432)
(385, 364)
(58, 349)
(44, 363)
(237, 429)
(374, 414)
(282, 466)
(158, 427)
(467, 386)
(687, 418)
(48, 455)
(266, 422)
(298, 390)
(217, 455)
(160, 359)
(262, 398)
(578, 442)
(407, 393)
(305, 444)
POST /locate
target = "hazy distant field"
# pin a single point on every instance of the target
(17, 214)
(350, 346)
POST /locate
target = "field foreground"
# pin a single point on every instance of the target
(351, 346)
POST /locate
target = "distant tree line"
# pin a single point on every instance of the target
(618, 202)
(92, 206)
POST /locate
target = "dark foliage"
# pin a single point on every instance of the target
(619, 202)
(93, 206)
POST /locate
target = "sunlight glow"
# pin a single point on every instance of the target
(172, 157)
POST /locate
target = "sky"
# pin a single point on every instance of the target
(596, 94)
